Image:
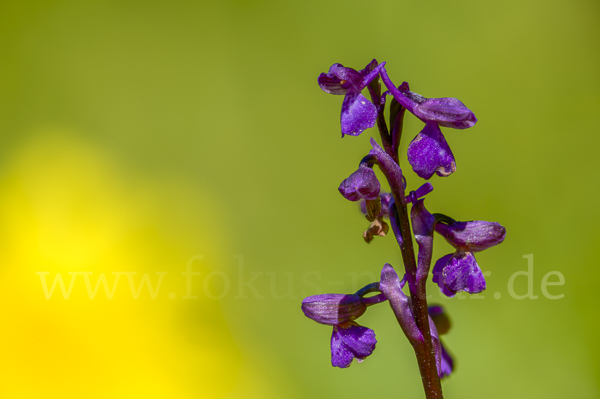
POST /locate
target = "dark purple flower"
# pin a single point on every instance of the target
(358, 113)
(429, 152)
(459, 271)
(349, 341)
(362, 184)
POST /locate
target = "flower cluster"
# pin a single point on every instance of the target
(428, 154)
(349, 340)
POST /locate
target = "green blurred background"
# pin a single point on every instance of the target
(145, 136)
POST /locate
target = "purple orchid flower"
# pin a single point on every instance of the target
(459, 271)
(412, 224)
(429, 152)
(358, 113)
(349, 340)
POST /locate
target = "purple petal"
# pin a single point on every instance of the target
(358, 113)
(473, 236)
(351, 341)
(438, 275)
(448, 112)
(412, 96)
(447, 363)
(340, 78)
(362, 184)
(462, 273)
(429, 153)
(352, 76)
(332, 84)
(424, 190)
(332, 309)
(419, 193)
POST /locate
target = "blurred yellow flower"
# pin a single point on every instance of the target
(67, 210)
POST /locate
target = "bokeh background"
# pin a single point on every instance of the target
(144, 138)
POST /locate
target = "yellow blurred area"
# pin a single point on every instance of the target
(67, 208)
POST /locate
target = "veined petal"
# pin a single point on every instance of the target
(331, 84)
(352, 76)
(462, 273)
(358, 113)
(416, 98)
(429, 153)
(448, 112)
(351, 341)
(333, 309)
(473, 236)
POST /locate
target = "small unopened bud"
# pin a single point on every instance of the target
(362, 184)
